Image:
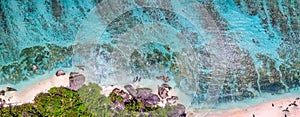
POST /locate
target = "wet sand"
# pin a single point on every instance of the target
(271, 108)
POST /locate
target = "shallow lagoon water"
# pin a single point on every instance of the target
(215, 52)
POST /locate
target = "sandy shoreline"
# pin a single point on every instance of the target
(27, 95)
(264, 109)
(271, 108)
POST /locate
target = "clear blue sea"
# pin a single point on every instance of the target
(219, 52)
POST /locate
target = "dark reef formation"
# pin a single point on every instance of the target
(269, 77)
(25, 24)
(46, 57)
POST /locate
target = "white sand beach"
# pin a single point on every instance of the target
(264, 109)
(27, 95)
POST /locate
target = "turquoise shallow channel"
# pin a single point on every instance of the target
(216, 52)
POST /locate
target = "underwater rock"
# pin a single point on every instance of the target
(60, 73)
(10, 89)
(272, 87)
(153, 54)
(166, 86)
(166, 79)
(255, 41)
(158, 77)
(270, 80)
(81, 67)
(137, 79)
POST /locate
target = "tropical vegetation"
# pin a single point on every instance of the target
(86, 102)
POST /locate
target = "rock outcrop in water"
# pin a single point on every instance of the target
(10, 89)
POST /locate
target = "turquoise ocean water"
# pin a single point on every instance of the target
(215, 52)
